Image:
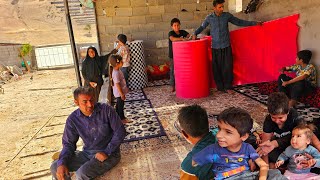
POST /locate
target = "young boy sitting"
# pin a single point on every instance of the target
(305, 81)
(230, 155)
(193, 124)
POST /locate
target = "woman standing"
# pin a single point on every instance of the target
(92, 69)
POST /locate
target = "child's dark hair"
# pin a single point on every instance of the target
(194, 120)
(216, 2)
(113, 60)
(238, 118)
(122, 38)
(305, 55)
(175, 20)
(278, 103)
(307, 128)
(82, 90)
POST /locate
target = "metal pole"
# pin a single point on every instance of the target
(72, 42)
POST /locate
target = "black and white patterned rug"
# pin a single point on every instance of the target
(145, 122)
(133, 95)
(310, 114)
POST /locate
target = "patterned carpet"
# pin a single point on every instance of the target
(145, 122)
(310, 114)
(160, 157)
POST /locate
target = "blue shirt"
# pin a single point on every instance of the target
(219, 29)
(226, 163)
(103, 131)
(295, 156)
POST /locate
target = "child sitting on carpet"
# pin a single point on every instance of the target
(118, 84)
(305, 81)
(230, 156)
(300, 145)
(193, 124)
(277, 128)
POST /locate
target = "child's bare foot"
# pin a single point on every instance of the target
(126, 121)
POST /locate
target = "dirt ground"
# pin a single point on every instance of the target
(33, 112)
(32, 115)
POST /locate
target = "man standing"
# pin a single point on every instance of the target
(102, 132)
(222, 62)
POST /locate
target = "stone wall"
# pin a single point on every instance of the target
(147, 20)
(9, 55)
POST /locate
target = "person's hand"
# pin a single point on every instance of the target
(285, 83)
(310, 162)
(279, 163)
(93, 84)
(194, 164)
(118, 46)
(265, 148)
(62, 171)
(194, 37)
(282, 70)
(123, 97)
(260, 23)
(101, 156)
(252, 165)
(258, 140)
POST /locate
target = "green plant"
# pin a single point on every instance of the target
(25, 51)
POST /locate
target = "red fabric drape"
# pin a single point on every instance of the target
(260, 51)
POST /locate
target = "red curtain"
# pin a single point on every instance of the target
(260, 51)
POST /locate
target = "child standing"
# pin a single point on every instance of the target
(230, 156)
(175, 35)
(118, 84)
(123, 51)
(305, 81)
(300, 145)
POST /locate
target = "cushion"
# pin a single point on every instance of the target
(313, 99)
(267, 88)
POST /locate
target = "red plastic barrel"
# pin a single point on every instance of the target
(191, 68)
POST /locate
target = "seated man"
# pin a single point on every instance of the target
(102, 132)
(193, 124)
(305, 81)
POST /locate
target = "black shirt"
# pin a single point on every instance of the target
(182, 33)
(282, 136)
